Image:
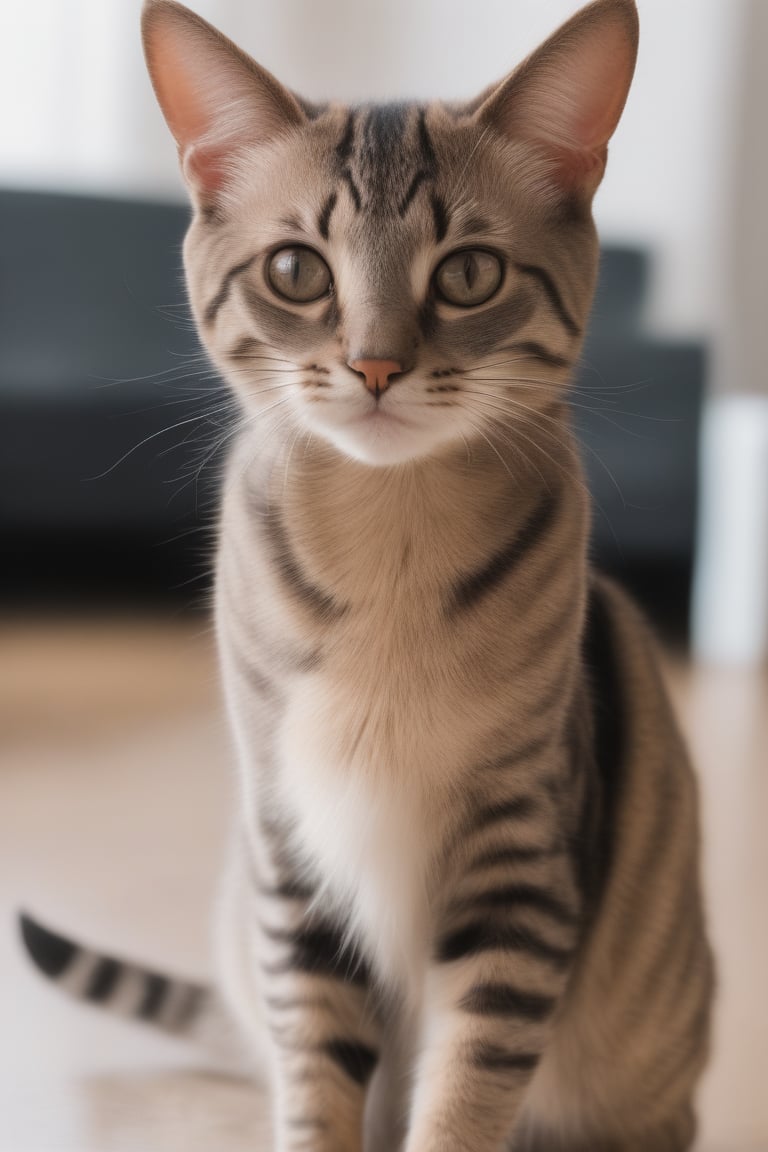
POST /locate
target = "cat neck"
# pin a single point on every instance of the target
(440, 512)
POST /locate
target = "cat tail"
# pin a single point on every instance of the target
(180, 1008)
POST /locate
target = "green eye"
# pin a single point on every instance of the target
(298, 274)
(469, 277)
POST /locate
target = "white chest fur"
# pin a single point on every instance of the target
(358, 801)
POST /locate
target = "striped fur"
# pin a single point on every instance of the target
(465, 895)
(176, 1006)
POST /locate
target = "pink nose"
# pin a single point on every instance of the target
(376, 373)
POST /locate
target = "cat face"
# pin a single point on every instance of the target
(393, 279)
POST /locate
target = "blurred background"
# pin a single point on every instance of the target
(114, 759)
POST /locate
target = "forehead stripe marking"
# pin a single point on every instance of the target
(427, 171)
(427, 150)
(416, 183)
(324, 219)
(344, 146)
(220, 298)
(440, 213)
(553, 292)
(344, 150)
(354, 191)
(383, 134)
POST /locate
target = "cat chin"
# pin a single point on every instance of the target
(381, 447)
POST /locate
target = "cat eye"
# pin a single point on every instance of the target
(298, 274)
(469, 277)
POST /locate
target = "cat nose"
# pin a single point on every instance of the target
(376, 373)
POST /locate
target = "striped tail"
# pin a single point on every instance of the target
(180, 1008)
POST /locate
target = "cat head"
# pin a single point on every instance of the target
(393, 279)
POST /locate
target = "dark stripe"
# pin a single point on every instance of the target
(604, 775)
(553, 292)
(256, 679)
(413, 188)
(499, 857)
(344, 146)
(103, 980)
(490, 936)
(51, 953)
(320, 951)
(515, 809)
(356, 1060)
(383, 136)
(354, 191)
(212, 214)
(428, 157)
(493, 999)
(492, 1058)
(532, 748)
(245, 349)
(519, 896)
(156, 989)
(440, 215)
(538, 352)
(474, 587)
(212, 310)
(288, 890)
(312, 110)
(331, 317)
(318, 601)
(289, 659)
(324, 219)
(301, 1122)
(192, 1003)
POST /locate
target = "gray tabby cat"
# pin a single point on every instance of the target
(464, 903)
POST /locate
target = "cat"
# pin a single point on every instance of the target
(463, 907)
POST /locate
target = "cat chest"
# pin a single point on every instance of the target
(359, 782)
(372, 754)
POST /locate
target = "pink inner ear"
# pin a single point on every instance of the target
(568, 97)
(599, 91)
(183, 107)
(188, 116)
(205, 168)
(601, 81)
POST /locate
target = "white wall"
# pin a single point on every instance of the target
(78, 112)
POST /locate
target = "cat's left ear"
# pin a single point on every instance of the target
(568, 96)
(215, 98)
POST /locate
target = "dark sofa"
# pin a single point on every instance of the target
(95, 340)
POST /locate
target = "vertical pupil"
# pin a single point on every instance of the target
(470, 270)
(295, 267)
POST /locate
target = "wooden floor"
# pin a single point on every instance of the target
(114, 797)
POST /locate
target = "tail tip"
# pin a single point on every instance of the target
(49, 952)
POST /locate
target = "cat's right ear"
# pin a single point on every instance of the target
(215, 98)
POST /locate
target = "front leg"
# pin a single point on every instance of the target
(501, 962)
(324, 1034)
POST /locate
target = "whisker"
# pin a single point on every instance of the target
(570, 475)
(478, 428)
(514, 427)
(146, 440)
(534, 385)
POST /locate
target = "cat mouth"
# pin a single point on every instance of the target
(379, 418)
